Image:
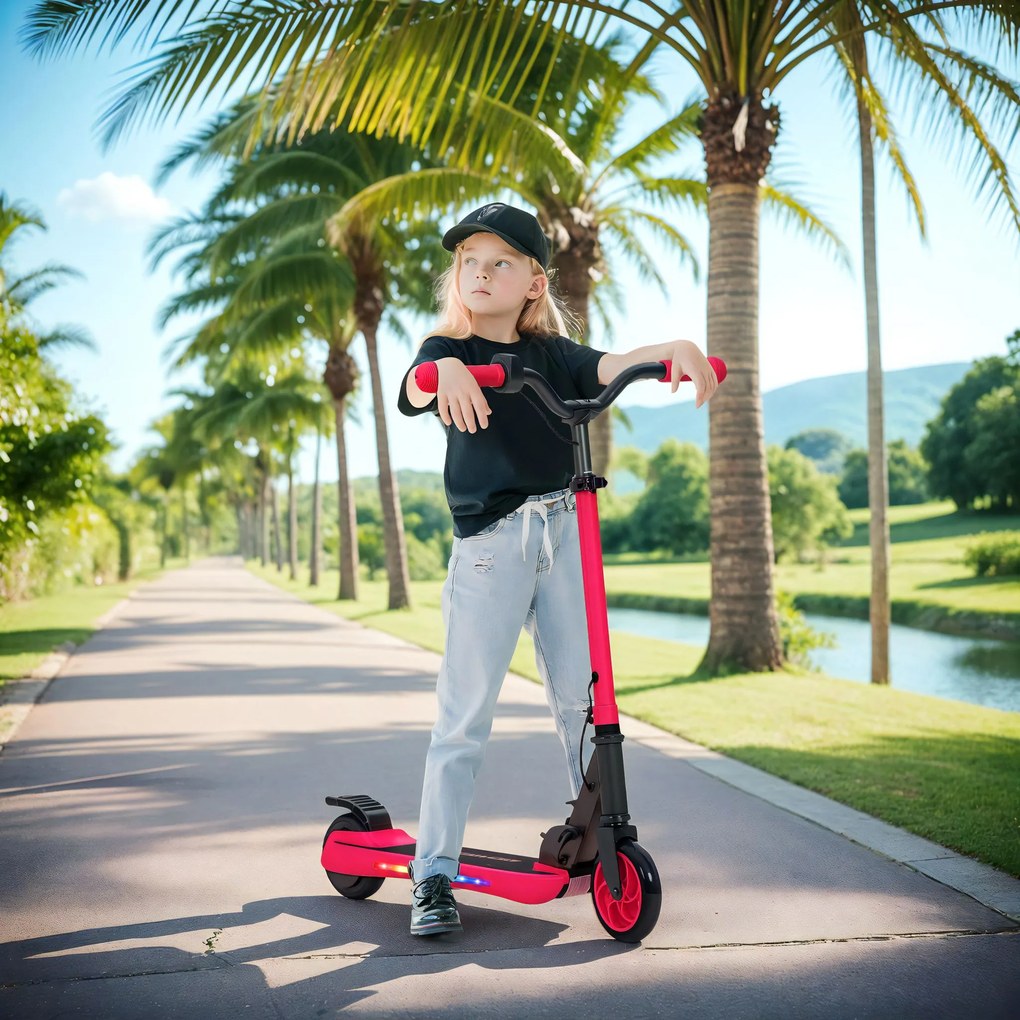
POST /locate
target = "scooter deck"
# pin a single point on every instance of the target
(386, 853)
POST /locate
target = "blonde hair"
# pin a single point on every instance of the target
(545, 315)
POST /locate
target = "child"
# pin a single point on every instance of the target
(507, 461)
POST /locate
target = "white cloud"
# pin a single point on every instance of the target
(109, 197)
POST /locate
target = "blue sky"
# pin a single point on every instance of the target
(952, 298)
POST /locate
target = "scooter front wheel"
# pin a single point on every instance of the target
(633, 916)
(354, 887)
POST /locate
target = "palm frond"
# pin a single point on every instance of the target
(25, 289)
(254, 232)
(416, 194)
(63, 337)
(292, 169)
(290, 275)
(664, 140)
(198, 299)
(623, 221)
(15, 216)
(971, 105)
(789, 211)
(62, 26)
(187, 231)
(610, 304)
(674, 192)
(861, 84)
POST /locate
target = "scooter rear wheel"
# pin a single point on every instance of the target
(354, 887)
(633, 916)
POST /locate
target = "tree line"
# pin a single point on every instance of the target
(813, 480)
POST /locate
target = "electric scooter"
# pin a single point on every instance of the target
(596, 848)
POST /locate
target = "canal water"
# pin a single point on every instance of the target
(981, 671)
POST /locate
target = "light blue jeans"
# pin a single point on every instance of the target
(524, 571)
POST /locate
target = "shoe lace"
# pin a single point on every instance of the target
(435, 892)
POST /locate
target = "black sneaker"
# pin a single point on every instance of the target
(433, 908)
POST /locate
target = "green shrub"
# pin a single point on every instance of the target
(799, 638)
(994, 554)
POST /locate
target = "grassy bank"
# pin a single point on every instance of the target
(930, 586)
(30, 630)
(944, 770)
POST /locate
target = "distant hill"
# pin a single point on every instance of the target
(912, 398)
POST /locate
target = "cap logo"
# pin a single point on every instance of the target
(487, 210)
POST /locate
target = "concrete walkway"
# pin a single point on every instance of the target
(161, 814)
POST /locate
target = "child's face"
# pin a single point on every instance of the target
(495, 280)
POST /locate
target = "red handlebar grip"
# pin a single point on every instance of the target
(718, 366)
(426, 375)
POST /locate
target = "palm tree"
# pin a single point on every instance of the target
(394, 65)
(17, 292)
(595, 198)
(912, 62)
(272, 410)
(297, 188)
(292, 291)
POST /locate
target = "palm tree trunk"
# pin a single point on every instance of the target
(574, 265)
(264, 519)
(315, 550)
(239, 519)
(347, 516)
(878, 488)
(203, 511)
(251, 523)
(277, 538)
(163, 529)
(744, 623)
(393, 521)
(291, 518)
(185, 533)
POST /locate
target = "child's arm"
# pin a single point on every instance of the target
(687, 360)
(459, 398)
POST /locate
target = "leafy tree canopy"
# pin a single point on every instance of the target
(807, 514)
(826, 447)
(971, 443)
(907, 476)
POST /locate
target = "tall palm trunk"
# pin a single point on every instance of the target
(368, 313)
(315, 550)
(185, 532)
(242, 529)
(878, 488)
(264, 518)
(277, 537)
(744, 623)
(578, 255)
(291, 518)
(164, 527)
(348, 521)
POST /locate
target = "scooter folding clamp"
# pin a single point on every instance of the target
(587, 483)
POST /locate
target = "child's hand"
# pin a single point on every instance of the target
(688, 360)
(460, 399)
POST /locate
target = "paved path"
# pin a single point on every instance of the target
(161, 812)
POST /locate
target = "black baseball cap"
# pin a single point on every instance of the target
(518, 228)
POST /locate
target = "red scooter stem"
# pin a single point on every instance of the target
(604, 691)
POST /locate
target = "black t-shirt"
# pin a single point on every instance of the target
(525, 451)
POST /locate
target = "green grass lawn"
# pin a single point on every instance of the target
(928, 543)
(30, 630)
(945, 770)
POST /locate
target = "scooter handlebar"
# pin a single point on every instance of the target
(426, 375)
